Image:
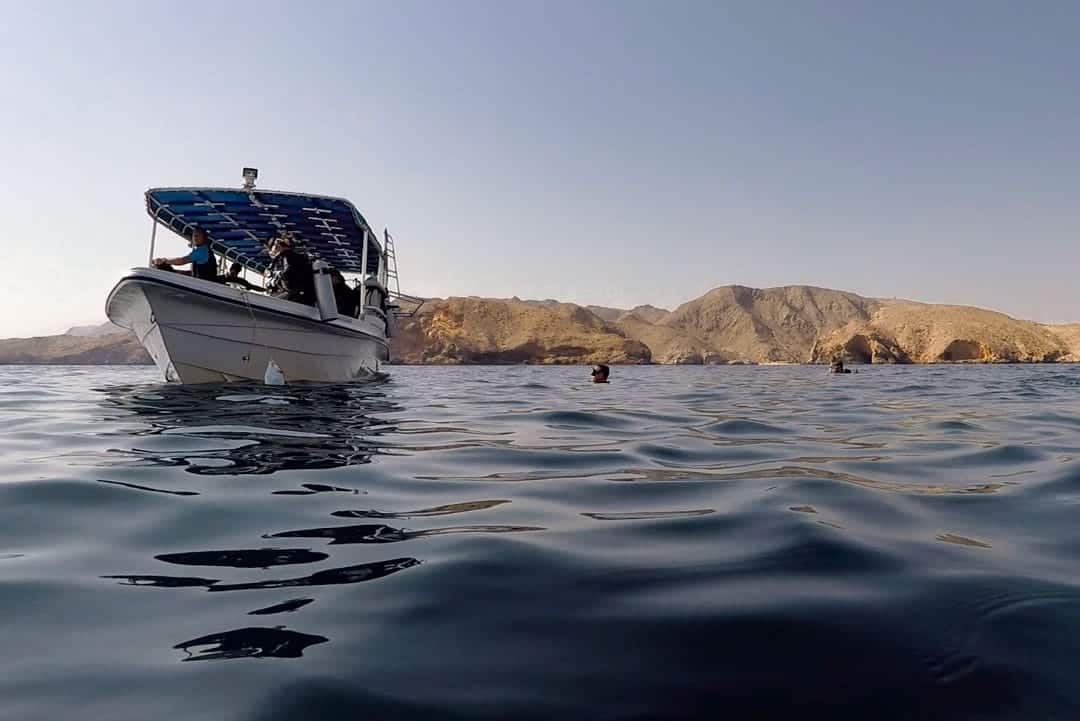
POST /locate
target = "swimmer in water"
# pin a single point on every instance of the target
(837, 366)
(600, 373)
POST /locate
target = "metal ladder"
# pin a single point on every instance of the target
(391, 263)
(393, 285)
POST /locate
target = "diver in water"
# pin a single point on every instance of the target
(837, 366)
(600, 373)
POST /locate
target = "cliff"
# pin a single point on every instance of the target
(908, 332)
(476, 330)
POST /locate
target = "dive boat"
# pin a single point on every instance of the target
(208, 331)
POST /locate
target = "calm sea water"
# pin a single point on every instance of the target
(514, 542)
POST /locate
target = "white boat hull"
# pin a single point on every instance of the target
(198, 331)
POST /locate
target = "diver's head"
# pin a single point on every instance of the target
(279, 245)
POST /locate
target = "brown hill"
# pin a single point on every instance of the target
(93, 331)
(909, 332)
(118, 348)
(474, 330)
(608, 315)
(1070, 335)
(749, 324)
(647, 313)
(669, 345)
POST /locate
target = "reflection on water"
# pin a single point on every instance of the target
(284, 607)
(138, 487)
(297, 428)
(294, 429)
(253, 558)
(682, 543)
(165, 581)
(249, 643)
(444, 510)
(377, 533)
(307, 489)
(329, 577)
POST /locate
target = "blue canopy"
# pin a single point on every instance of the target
(241, 223)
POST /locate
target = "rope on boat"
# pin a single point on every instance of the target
(254, 326)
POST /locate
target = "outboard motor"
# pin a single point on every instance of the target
(324, 291)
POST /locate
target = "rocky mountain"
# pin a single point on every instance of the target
(735, 323)
(476, 330)
(115, 348)
(729, 324)
(1070, 336)
(647, 313)
(907, 332)
(608, 315)
(94, 331)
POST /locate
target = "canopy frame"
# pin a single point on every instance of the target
(241, 222)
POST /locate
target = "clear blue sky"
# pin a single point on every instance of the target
(614, 153)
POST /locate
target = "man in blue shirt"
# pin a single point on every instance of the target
(202, 259)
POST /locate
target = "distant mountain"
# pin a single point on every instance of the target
(94, 331)
(647, 313)
(736, 323)
(729, 324)
(117, 348)
(609, 315)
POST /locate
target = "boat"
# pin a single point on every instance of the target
(210, 331)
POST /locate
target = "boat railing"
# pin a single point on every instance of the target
(404, 305)
(376, 310)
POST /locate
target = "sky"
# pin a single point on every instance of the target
(611, 153)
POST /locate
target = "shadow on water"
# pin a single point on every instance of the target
(256, 431)
(249, 643)
(252, 558)
(330, 577)
(288, 428)
(379, 533)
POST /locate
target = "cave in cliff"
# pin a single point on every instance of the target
(858, 350)
(963, 350)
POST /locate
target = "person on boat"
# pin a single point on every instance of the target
(343, 294)
(202, 259)
(837, 366)
(293, 276)
(600, 373)
(234, 278)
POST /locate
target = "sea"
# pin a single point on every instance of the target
(515, 542)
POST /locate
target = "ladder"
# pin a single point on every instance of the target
(391, 263)
(393, 285)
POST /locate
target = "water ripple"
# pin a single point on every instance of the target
(683, 543)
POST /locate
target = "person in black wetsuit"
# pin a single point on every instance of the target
(293, 277)
(202, 259)
(837, 366)
(600, 373)
(343, 294)
(234, 278)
